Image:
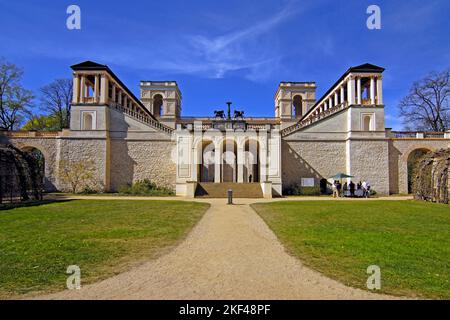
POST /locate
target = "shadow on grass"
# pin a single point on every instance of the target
(8, 206)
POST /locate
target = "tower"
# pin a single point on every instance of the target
(294, 99)
(162, 99)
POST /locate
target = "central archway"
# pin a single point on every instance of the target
(229, 163)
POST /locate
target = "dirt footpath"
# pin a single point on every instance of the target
(230, 254)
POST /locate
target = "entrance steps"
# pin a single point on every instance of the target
(219, 190)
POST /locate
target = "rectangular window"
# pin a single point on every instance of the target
(307, 182)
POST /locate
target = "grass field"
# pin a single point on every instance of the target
(408, 240)
(38, 243)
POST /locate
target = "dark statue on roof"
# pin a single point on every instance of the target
(238, 114)
(219, 114)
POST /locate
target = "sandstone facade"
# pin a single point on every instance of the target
(130, 139)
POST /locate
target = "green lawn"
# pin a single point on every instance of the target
(408, 240)
(38, 243)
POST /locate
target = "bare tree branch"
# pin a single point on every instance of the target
(427, 105)
(56, 99)
(14, 99)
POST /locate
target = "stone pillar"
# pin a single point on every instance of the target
(263, 162)
(372, 90)
(217, 163)
(82, 89)
(119, 100)
(336, 98)
(113, 93)
(97, 88)
(76, 88)
(240, 165)
(330, 102)
(342, 94)
(358, 88)
(379, 91)
(104, 90)
(125, 101)
(351, 91)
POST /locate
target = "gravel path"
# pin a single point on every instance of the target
(230, 254)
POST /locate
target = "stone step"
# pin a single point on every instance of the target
(219, 190)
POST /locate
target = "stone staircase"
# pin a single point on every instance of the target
(219, 190)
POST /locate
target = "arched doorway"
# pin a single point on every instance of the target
(412, 162)
(206, 167)
(229, 163)
(251, 161)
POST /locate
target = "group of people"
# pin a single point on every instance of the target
(361, 189)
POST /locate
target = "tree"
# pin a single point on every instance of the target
(41, 123)
(14, 99)
(56, 99)
(427, 105)
(76, 174)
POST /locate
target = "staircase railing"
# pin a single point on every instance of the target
(144, 118)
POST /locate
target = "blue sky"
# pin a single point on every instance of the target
(229, 50)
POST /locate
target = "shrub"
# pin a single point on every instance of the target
(296, 190)
(146, 188)
(88, 190)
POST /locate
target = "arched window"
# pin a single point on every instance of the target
(88, 121)
(297, 106)
(157, 105)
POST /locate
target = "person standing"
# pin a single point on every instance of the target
(364, 188)
(339, 188)
(352, 189)
(334, 187)
(345, 190)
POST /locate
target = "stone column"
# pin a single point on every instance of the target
(119, 100)
(240, 165)
(330, 102)
(113, 93)
(76, 87)
(336, 98)
(342, 94)
(217, 163)
(125, 101)
(104, 90)
(351, 91)
(82, 89)
(379, 90)
(263, 162)
(97, 88)
(358, 88)
(372, 90)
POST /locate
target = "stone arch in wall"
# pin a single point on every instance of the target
(157, 102)
(412, 161)
(205, 160)
(40, 151)
(252, 161)
(399, 152)
(297, 102)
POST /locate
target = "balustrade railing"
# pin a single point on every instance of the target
(312, 118)
(142, 117)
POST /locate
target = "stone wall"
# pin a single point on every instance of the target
(89, 151)
(311, 159)
(49, 148)
(369, 162)
(399, 151)
(133, 160)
